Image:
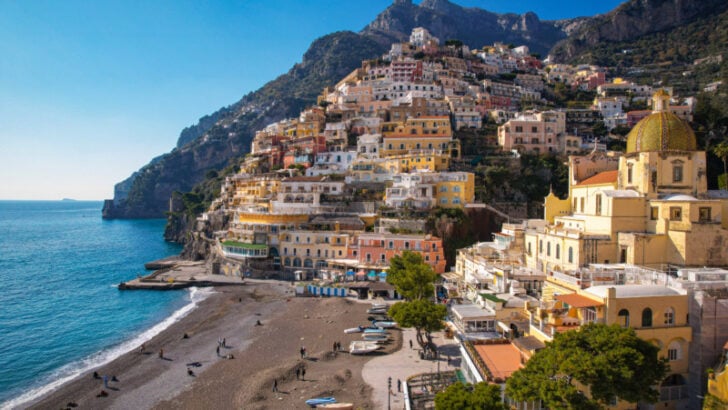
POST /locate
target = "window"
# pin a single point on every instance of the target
(443, 188)
(529, 249)
(670, 316)
(519, 128)
(704, 214)
(674, 351)
(391, 245)
(581, 203)
(675, 213)
(677, 173)
(443, 201)
(540, 246)
(406, 245)
(654, 213)
(598, 204)
(629, 173)
(647, 317)
(382, 257)
(548, 248)
(369, 257)
(571, 254)
(456, 188)
(623, 317)
(558, 251)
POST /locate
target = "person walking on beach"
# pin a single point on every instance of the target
(223, 342)
(410, 343)
(141, 349)
(303, 352)
(303, 374)
(161, 353)
(275, 385)
(217, 350)
(399, 386)
(298, 373)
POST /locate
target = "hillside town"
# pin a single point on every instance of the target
(639, 240)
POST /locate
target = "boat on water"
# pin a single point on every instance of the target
(375, 337)
(377, 330)
(362, 347)
(385, 324)
(320, 400)
(357, 329)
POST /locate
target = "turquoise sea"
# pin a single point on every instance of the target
(60, 311)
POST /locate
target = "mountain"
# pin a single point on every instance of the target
(631, 20)
(224, 135)
(473, 26)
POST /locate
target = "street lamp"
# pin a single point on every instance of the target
(389, 393)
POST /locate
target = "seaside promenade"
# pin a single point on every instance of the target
(405, 363)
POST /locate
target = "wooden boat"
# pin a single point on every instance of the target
(362, 347)
(376, 337)
(320, 400)
(357, 329)
(385, 324)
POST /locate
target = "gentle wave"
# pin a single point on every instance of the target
(72, 370)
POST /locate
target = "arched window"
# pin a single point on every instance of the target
(623, 317)
(558, 251)
(287, 261)
(297, 262)
(669, 316)
(571, 254)
(308, 263)
(647, 317)
(674, 351)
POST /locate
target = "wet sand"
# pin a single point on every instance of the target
(261, 354)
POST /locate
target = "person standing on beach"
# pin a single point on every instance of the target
(161, 353)
(410, 343)
(303, 352)
(298, 373)
(303, 374)
(275, 385)
(106, 381)
(399, 386)
(218, 350)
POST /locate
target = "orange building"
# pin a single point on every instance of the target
(378, 249)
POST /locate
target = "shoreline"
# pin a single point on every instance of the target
(145, 381)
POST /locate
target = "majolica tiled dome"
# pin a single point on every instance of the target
(661, 130)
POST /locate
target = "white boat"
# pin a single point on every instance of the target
(378, 330)
(385, 324)
(380, 306)
(362, 347)
(357, 329)
(378, 311)
(375, 337)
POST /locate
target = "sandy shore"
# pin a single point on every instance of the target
(262, 354)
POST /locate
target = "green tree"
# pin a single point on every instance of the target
(610, 360)
(721, 151)
(411, 276)
(422, 314)
(458, 396)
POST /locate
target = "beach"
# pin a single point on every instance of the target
(259, 356)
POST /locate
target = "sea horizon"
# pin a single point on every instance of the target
(59, 260)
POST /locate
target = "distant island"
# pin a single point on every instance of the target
(68, 199)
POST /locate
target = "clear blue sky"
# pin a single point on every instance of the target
(91, 90)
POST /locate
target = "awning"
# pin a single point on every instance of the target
(350, 273)
(578, 301)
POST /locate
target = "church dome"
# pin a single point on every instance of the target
(661, 130)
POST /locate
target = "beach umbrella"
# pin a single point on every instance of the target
(350, 273)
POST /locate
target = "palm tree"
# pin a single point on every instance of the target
(721, 151)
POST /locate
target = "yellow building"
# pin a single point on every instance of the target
(309, 250)
(718, 379)
(247, 189)
(422, 133)
(657, 313)
(654, 209)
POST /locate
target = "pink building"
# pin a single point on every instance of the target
(378, 249)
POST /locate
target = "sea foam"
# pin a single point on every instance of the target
(71, 371)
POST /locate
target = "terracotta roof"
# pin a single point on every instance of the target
(578, 301)
(501, 359)
(605, 177)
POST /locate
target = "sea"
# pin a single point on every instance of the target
(61, 313)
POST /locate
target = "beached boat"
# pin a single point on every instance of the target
(357, 329)
(380, 306)
(320, 400)
(377, 330)
(386, 324)
(375, 337)
(377, 311)
(362, 347)
(337, 406)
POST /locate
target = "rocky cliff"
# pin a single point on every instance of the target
(473, 26)
(631, 20)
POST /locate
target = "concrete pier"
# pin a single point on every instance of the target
(178, 274)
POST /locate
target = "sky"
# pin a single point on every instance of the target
(90, 91)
